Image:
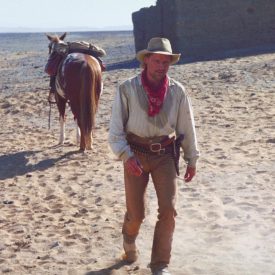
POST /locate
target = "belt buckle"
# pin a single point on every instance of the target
(153, 149)
(158, 150)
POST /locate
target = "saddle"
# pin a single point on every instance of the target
(63, 49)
(87, 48)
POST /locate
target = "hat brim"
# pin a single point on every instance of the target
(141, 54)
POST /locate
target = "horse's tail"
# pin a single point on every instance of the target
(89, 94)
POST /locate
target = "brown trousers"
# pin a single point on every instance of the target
(163, 173)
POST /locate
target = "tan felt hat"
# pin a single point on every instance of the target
(158, 45)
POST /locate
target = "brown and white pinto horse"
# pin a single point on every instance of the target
(78, 83)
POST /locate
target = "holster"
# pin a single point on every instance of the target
(176, 153)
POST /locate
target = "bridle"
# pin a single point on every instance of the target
(50, 46)
(53, 43)
(58, 47)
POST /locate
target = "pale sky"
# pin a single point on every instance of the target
(47, 14)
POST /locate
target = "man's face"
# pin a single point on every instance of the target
(157, 66)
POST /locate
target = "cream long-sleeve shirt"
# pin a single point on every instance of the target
(130, 115)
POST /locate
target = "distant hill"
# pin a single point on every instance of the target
(61, 29)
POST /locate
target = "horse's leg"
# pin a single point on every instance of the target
(77, 132)
(85, 141)
(62, 135)
(82, 140)
(61, 104)
(89, 141)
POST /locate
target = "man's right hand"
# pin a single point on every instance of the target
(190, 173)
(133, 167)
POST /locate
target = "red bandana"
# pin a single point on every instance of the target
(155, 95)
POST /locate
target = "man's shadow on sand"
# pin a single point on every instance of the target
(16, 164)
(109, 270)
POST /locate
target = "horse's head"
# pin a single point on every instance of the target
(57, 50)
(55, 40)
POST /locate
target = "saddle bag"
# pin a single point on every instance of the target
(86, 48)
(52, 65)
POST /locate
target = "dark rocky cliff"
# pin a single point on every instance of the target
(203, 27)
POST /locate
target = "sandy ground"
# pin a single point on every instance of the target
(62, 211)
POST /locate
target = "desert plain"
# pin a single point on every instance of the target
(62, 210)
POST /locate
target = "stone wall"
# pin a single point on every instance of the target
(203, 27)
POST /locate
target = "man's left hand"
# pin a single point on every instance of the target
(190, 173)
(133, 166)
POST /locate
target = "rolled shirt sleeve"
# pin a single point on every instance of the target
(186, 126)
(117, 134)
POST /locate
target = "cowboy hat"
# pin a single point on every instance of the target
(160, 46)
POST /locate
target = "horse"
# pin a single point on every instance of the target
(78, 83)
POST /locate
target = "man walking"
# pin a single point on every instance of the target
(151, 119)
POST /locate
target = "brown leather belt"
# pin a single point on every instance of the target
(157, 146)
(153, 146)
